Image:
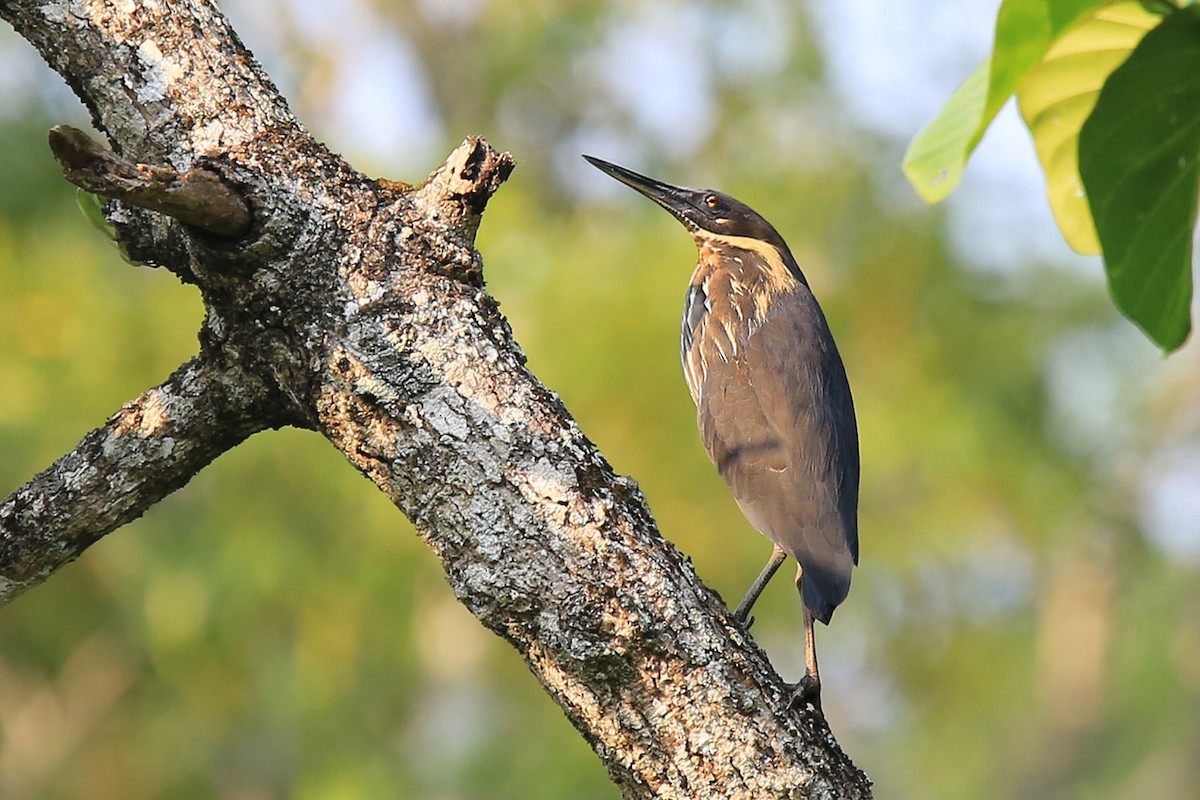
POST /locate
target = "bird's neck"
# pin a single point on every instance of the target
(733, 288)
(755, 266)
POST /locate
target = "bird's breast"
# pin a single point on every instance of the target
(728, 299)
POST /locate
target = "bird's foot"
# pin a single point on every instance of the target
(743, 621)
(806, 692)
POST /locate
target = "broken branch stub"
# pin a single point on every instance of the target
(198, 197)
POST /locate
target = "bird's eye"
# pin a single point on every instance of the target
(712, 201)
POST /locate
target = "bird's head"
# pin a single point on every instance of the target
(706, 213)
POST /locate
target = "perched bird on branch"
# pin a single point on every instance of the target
(772, 399)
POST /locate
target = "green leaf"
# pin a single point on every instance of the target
(938, 154)
(1025, 31)
(1058, 95)
(92, 206)
(1138, 156)
(93, 211)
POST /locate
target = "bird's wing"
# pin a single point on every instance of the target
(778, 421)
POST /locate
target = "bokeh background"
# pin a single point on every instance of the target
(1026, 619)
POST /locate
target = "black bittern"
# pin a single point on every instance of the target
(772, 399)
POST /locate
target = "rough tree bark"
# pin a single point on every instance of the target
(355, 307)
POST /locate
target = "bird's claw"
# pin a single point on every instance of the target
(743, 621)
(741, 615)
(806, 692)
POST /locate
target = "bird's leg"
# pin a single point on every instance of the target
(742, 614)
(808, 690)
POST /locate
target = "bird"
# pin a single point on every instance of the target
(773, 401)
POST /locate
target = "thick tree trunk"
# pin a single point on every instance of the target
(356, 308)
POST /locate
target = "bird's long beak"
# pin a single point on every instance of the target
(673, 198)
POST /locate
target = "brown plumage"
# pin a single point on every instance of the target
(772, 399)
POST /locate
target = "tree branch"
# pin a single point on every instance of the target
(358, 306)
(148, 449)
(162, 91)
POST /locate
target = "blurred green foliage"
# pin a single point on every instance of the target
(1023, 624)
